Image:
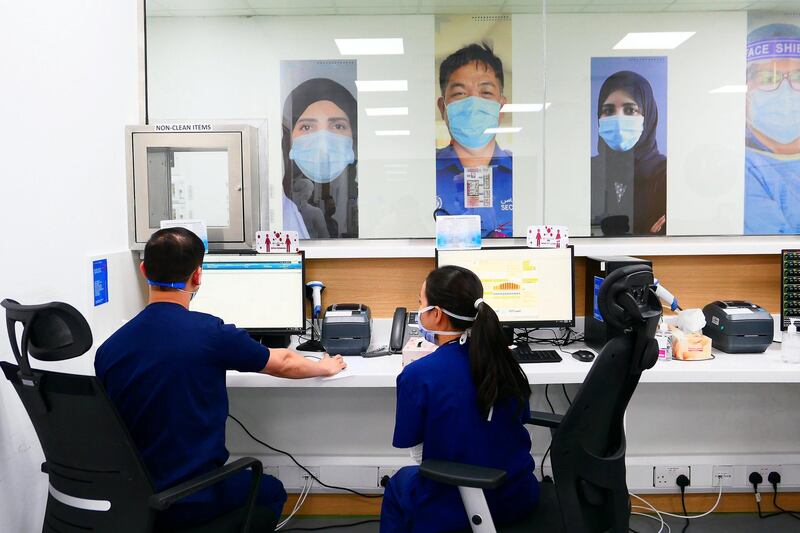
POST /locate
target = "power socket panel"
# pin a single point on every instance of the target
(664, 476)
(722, 475)
(764, 470)
(385, 471)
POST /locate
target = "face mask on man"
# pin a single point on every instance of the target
(776, 113)
(621, 132)
(322, 155)
(177, 285)
(470, 117)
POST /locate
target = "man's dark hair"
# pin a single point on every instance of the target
(172, 254)
(478, 53)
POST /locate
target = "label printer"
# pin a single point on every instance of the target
(346, 329)
(737, 326)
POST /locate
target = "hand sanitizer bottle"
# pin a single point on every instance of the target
(790, 345)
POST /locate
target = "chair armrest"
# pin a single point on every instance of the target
(162, 500)
(462, 475)
(547, 420)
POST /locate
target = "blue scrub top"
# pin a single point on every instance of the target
(496, 221)
(772, 193)
(164, 371)
(437, 406)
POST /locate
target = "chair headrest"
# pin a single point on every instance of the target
(626, 297)
(53, 331)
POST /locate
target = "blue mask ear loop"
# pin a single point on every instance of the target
(177, 285)
(169, 285)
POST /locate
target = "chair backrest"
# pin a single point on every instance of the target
(588, 450)
(97, 479)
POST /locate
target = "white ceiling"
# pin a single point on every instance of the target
(219, 8)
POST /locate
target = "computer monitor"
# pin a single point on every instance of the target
(260, 293)
(527, 287)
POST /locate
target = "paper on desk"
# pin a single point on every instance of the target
(343, 374)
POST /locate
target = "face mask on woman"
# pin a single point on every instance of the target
(430, 335)
(470, 117)
(322, 155)
(621, 132)
(776, 113)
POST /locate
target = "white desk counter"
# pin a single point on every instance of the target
(381, 372)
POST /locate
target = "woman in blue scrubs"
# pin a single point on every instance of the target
(466, 402)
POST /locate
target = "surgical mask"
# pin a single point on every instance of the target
(430, 335)
(322, 155)
(177, 285)
(776, 113)
(470, 117)
(621, 132)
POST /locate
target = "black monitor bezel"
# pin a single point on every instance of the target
(287, 331)
(532, 323)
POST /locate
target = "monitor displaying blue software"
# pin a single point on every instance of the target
(260, 293)
(527, 287)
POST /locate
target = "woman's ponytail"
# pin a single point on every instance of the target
(496, 373)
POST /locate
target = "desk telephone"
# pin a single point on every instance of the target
(404, 326)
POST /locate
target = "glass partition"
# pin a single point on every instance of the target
(674, 117)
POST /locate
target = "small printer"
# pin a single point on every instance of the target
(346, 329)
(736, 326)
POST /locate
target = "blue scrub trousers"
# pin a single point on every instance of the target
(227, 496)
(398, 507)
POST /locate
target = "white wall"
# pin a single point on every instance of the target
(70, 84)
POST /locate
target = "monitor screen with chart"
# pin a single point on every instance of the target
(260, 293)
(527, 287)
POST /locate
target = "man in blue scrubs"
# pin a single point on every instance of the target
(164, 370)
(473, 174)
(772, 160)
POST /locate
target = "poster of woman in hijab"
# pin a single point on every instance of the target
(629, 146)
(772, 137)
(320, 148)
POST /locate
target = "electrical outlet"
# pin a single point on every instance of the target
(313, 469)
(386, 471)
(294, 477)
(722, 475)
(664, 476)
(764, 470)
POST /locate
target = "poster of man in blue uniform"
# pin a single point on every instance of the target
(772, 154)
(473, 173)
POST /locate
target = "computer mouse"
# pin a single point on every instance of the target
(583, 355)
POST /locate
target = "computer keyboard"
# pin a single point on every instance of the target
(524, 354)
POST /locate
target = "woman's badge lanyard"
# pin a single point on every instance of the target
(429, 335)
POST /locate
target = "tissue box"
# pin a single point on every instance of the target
(276, 242)
(548, 236)
(416, 348)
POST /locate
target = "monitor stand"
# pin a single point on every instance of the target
(509, 333)
(312, 345)
(273, 340)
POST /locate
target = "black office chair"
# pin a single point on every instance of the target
(589, 493)
(98, 482)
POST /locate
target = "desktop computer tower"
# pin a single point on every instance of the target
(596, 331)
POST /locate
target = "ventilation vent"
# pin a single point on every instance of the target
(490, 18)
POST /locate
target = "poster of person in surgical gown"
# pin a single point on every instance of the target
(772, 137)
(629, 146)
(320, 148)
